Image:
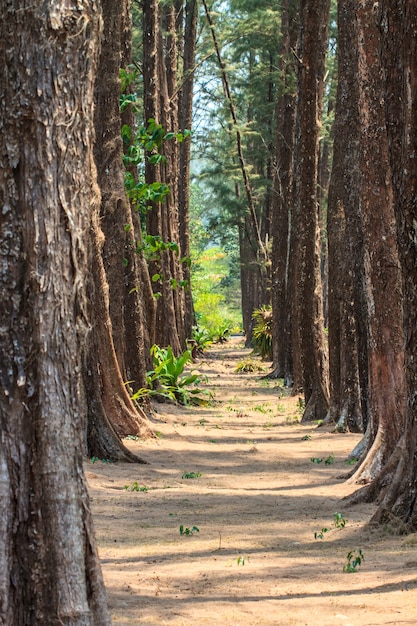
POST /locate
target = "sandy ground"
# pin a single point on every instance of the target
(257, 505)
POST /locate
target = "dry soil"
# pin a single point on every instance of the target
(259, 503)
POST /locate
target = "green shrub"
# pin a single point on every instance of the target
(262, 332)
(168, 373)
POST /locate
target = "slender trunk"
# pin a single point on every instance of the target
(185, 122)
(281, 293)
(344, 239)
(315, 15)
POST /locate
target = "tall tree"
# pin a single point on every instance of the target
(111, 413)
(399, 52)
(246, 50)
(390, 463)
(348, 362)
(188, 33)
(49, 567)
(383, 289)
(313, 45)
(283, 231)
(161, 106)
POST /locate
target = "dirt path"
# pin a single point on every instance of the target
(257, 504)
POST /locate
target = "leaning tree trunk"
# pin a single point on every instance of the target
(314, 15)
(49, 567)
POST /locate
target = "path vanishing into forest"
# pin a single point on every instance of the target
(241, 471)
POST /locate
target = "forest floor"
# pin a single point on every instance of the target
(257, 505)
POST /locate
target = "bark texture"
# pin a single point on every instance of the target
(49, 567)
(185, 108)
(314, 15)
(347, 311)
(161, 105)
(398, 26)
(383, 289)
(282, 287)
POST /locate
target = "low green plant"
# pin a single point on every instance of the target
(352, 461)
(136, 487)
(221, 334)
(354, 560)
(241, 560)
(169, 378)
(262, 332)
(306, 438)
(328, 461)
(292, 420)
(339, 521)
(248, 365)
(185, 530)
(262, 408)
(192, 475)
(202, 338)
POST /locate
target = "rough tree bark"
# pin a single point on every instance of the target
(314, 16)
(162, 219)
(345, 245)
(281, 287)
(400, 56)
(111, 413)
(185, 122)
(383, 289)
(395, 484)
(49, 567)
(121, 260)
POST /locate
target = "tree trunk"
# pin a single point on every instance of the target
(121, 260)
(111, 413)
(382, 269)
(315, 15)
(49, 567)
(397, 480)
(345, 243)
(281, 294)
(185, 122)
(162, 220)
